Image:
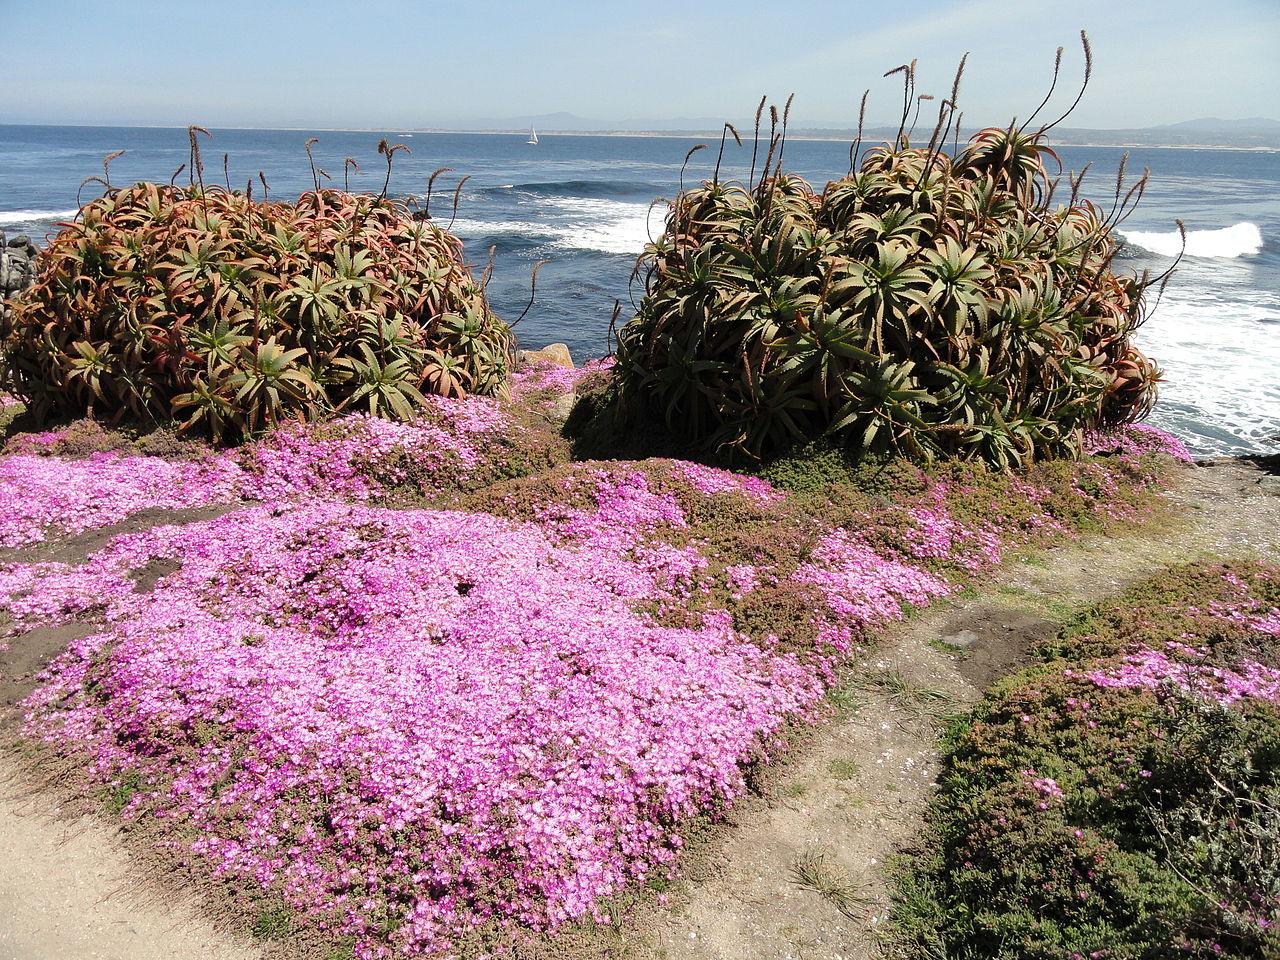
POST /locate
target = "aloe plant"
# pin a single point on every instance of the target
(931, 302)
(226, 314)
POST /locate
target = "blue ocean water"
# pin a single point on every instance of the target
(586, 203)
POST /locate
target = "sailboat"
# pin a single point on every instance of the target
(533, 137)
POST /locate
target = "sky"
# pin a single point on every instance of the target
(399, 64)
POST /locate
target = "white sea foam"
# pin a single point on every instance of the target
(1220, 356)
(609, 226)
(9, 218)
(467, 227)
(577, 223)
(1240, 240)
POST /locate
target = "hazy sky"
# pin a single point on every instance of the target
(396, 63)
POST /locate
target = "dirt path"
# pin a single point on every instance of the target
(68, 891)
(797, 874)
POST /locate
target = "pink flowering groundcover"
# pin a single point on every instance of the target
(414, 725)
(453, 445)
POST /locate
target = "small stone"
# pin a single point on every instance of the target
(964, 638)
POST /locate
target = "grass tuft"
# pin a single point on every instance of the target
(273, 923)
(814, 871)
(844, 768)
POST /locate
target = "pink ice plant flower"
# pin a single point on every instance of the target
(622, 507)
(1269, 623)
(456, 714)
(365, 708)
(1045, 785)
(742, 578)
(39, 493)
(1135, 440)
(453, 718)
(354, 457)
(357, 456)
(533, 377)
(545, 375)
(863, 588)
(711, 480)
(1153, 669)
(936, 534)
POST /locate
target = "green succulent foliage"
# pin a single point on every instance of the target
(228, 315)
(924, 304)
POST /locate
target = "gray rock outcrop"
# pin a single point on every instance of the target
(17, 267)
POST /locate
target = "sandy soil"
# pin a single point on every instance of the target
(68, 890)
(797, 873)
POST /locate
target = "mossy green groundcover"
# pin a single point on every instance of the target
(1122, 799)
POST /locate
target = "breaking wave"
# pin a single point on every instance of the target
(1241, 240)
(9, 218)
(575, 223)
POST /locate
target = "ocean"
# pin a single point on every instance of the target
(586, 203)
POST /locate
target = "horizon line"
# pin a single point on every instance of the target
(675, 132)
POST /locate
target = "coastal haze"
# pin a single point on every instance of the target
(425, 64)
(587, 204)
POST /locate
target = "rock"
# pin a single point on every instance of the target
(564, 406)
(17, 267)
(15, 270)
(962, 639)
(556, 353)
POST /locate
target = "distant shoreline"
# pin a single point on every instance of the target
(833, 137)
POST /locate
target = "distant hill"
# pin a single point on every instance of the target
(1217, 125)
(1248, 132)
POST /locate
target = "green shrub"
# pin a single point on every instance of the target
(1077, 819)
(925, 304)
(229, 314)
(819, 465)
